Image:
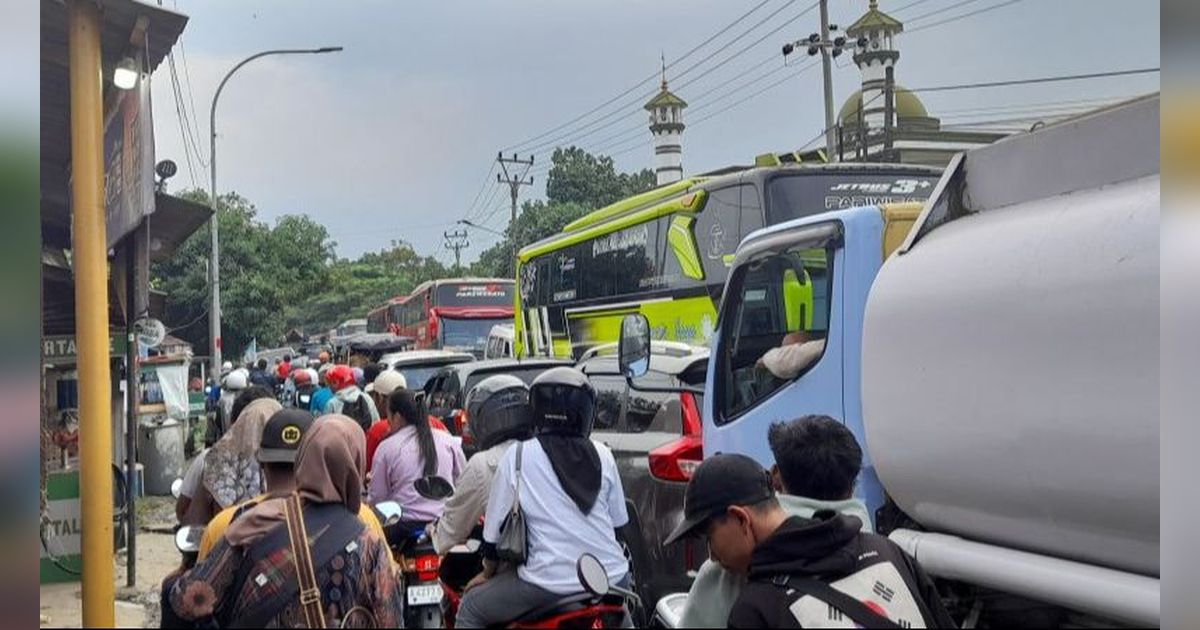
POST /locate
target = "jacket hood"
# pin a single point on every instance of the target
(814, 547)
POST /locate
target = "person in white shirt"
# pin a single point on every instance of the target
(498, 417)
(794, 355)
(572, 500)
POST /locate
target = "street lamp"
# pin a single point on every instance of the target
(214, 313)
(480, 227)
(500, 234)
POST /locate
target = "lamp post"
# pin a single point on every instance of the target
(214, 273)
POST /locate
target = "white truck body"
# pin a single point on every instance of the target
(1010, 368)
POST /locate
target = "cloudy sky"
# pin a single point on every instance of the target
(394, 138)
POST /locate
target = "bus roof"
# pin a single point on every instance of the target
(441, 281)
(651, 204)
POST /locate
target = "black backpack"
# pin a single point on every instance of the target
(359, 411)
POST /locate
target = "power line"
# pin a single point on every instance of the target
(487, 179)
(579, 133)
(941, 10)
(743, 50)
(963, 16)
(1050, 79)
(793, 75)
(187, 75)
(640, 83)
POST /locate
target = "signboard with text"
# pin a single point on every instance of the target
(62, 348)
(129, 163)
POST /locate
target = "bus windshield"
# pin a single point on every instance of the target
(469, 333)
(475, 294)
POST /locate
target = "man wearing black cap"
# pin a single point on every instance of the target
(803, 573)
(277, 455)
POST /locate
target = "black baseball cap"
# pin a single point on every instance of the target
(281, 436)
(720, 482)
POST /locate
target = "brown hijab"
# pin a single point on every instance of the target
(329, 469)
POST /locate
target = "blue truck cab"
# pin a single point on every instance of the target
(798, 289)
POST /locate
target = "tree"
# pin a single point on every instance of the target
(578, 183)
(265, 272)
(357, 286)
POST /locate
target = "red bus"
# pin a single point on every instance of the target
(452, 314)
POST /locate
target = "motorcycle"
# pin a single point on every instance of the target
(600, 605)
(413, 552)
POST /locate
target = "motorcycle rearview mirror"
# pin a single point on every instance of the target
(188, 537)
(389, 512)
(633, 349)
(592, 575)
(434, 488)
(176, 488)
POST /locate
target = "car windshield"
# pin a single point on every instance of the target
(468, 333)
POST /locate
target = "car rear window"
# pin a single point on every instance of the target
(526, 374)
(645, 411)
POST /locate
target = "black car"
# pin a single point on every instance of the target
(446, 392)
(655, 438)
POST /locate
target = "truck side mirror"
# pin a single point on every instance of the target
(633, 351)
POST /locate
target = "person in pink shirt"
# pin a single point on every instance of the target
(414, 450)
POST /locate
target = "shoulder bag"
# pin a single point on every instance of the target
(511, 546)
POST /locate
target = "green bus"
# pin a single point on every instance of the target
(665, 253)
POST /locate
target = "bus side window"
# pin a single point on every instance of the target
(750, 211)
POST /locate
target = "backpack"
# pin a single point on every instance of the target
(360, 411)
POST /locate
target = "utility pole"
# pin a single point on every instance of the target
(514, 179)
(457, 241)
(827, 71)
(828, 49)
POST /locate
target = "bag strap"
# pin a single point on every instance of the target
(337, 528)
(516, 506)
(310, 593)
(857, 611)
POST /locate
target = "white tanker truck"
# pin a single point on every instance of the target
(1010, 375)
(998, 355)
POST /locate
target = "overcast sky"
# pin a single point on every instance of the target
(393, 138)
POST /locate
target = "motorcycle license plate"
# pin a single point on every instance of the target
(424, 594)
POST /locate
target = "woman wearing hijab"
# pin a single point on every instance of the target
(356, 579)
(571, 497)
(231, 470)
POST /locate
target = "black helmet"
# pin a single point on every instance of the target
(563, 402)
(497, 410)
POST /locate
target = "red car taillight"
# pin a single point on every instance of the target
(677, 460)
(427, 567)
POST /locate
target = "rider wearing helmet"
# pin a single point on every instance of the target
(499, 416)
(232, 384)
(348, 398)
(302, 381)
(571, 498)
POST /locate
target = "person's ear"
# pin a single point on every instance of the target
(741, 516)
(776, 479)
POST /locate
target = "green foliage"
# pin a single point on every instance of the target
(275, 278)
(577, 184)
(278, 277)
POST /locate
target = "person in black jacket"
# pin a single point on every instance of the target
(803, 573)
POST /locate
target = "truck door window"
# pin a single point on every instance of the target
(781, 307)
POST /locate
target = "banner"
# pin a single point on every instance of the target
(129, 162)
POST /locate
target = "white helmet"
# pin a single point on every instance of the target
(236, 380)
(226, 367)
